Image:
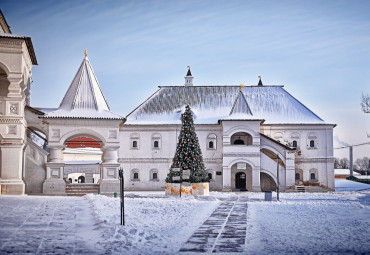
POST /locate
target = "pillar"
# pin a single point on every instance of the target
(226, 176)
(109, 182)
(11, 169)
(290, 170)
(256, 179)
(54, 183)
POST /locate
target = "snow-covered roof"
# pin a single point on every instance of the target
(84, 98)
(28, 41)
(213, 103)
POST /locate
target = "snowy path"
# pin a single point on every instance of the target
(52, 225)
(224, 231)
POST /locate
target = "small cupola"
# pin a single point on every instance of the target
(260, 81)
(189, 78)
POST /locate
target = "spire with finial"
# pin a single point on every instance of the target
(260, 81)
(85, 52)
(189, 78)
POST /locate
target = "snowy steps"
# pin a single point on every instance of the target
(81, 189)
(224, 231)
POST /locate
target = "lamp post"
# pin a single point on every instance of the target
(277, 173)
(120, 172)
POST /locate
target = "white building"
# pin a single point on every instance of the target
(250, 136)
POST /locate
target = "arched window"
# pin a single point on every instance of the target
(156, 141)
(136, 176)
(312, 144)
(156, 144)
(312, 177)
(238, 141)
(241, 138)
(153, 175)
(135, 141)
(210, 176)
(81, 179)
(297, 176)
(211, 141)
(294, 144)
(210, 145)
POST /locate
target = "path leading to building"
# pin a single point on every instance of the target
(224, 231)
(48, 225)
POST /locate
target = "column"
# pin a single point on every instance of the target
(226, 175)
(54, 183)
(109, 182)
(11, 169)
(290, 170)
(256, 179)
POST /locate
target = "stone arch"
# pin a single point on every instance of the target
(39, 129)
(83, 132)
(271, 175)
(4, 80)
(268, 183)
(241, 160)
(4, 67)
(237, 129)
(274, 151)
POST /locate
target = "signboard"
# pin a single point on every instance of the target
(242, 166)
(176, 178)
(176, 169)
(186, 172)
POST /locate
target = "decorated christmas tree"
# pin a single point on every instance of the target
(188, 155)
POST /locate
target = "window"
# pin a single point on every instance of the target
(294, 144)
(153, 175)
(156, 141)
(241, 138)
(135, 141)
(210, 145)
(297, 176)
(238, 141)
(312, 144)
(312, 177)
(136, 176)
(156, 144)
(312, 141)
(211, 141)
(210, 176)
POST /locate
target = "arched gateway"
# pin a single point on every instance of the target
(83, 112)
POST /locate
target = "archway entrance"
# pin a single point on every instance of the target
(82, 157)
(241, 181)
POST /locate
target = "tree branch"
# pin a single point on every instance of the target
(365, 103)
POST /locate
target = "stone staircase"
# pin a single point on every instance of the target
(300, 189)
(81, 189)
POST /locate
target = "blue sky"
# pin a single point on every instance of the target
(320, 50)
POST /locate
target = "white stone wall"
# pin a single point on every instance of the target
(318, 159)
(145, 158)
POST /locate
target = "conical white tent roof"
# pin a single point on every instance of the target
(84, 97)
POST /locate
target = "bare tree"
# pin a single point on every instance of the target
(337, 163)
(365, 103)
(344, 163)
(362, 163)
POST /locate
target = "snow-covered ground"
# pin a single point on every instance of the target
(313, 223)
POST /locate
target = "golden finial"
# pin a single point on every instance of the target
(259, 77)
(85, 52)
(188, 67)
(241, 86)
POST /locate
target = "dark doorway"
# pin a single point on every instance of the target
(81, 179)
(240, 181)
